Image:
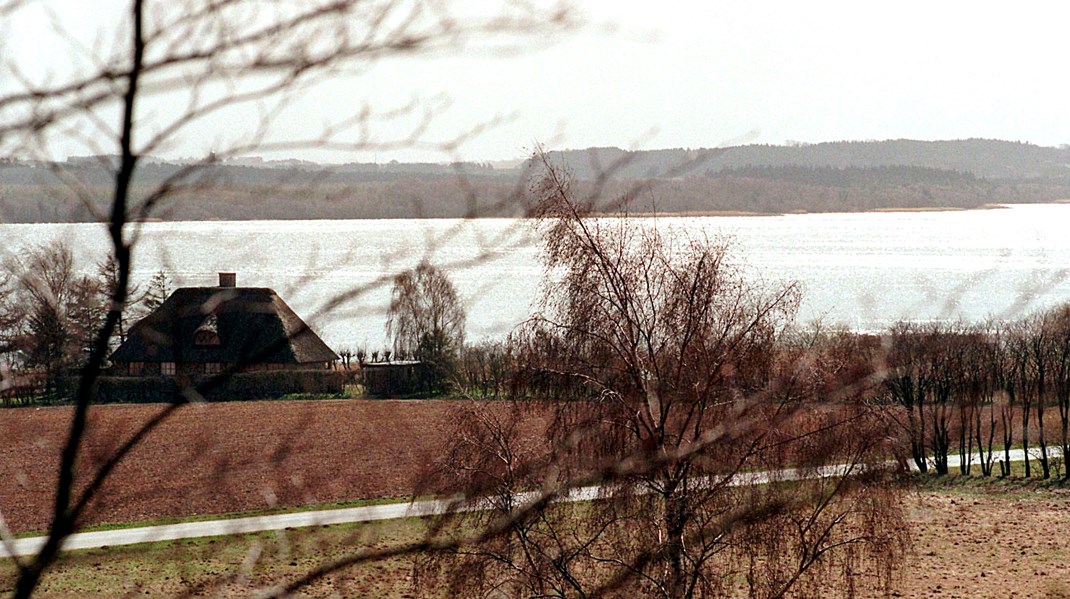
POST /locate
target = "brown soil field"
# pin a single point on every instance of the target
(985, 544)
(218, 458)
(215, 458)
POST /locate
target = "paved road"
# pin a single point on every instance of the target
(393, 511)
(210, 528)
(1017, 455)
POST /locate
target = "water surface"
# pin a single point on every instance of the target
(865, 270)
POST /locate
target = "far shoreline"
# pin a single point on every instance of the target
(685, 214)
(734, 213)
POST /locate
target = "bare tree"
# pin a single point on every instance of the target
(425, 306)
(57, 310)
(666, 377)
(485, 369)
(108, 277)
(1038, 341)
(426, 320)
(983, 365)
(1006, 371)
(10, 318)
(1020, 382)
(909, 386)
(946, 348)
(1059, 320)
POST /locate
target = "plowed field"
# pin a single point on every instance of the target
(223, 457)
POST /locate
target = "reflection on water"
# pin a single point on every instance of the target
(863, 270)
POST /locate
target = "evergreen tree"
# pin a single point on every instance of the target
(158, 292)
(108, 272)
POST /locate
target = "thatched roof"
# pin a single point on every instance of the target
(254, 326)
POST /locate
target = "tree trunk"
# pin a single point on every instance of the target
(1025, 435)
(675, 521)
(1045, 466)
(1006, 418)
(917, 440)
(941, 438)
(1064, 422)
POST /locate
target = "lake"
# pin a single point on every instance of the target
(863, 270)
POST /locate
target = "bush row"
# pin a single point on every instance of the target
(234, 387)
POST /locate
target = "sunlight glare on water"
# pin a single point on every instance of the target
(863, 270)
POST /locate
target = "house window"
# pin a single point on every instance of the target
(135, 368)
(213, 368)
(167, 368)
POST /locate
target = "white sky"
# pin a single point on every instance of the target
(681, 73)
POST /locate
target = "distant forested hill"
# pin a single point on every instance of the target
(839, 176)
(983, 158)
(34, 192)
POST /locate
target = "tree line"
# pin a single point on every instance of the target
(980, 390)
(975, 391)
(50, 312)
(763, 191)
(690, 184)
(983, 158)
(851, 176)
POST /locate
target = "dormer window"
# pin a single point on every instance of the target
(207, 334)
(205, 338)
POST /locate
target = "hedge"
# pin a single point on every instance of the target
(234, 387)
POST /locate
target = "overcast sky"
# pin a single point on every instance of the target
(701, 74)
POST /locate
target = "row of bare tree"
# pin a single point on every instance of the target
(982, 389)
(977, 390)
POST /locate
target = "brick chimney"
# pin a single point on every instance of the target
(228, 279)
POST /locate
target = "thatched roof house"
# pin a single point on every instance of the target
(206, 330)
